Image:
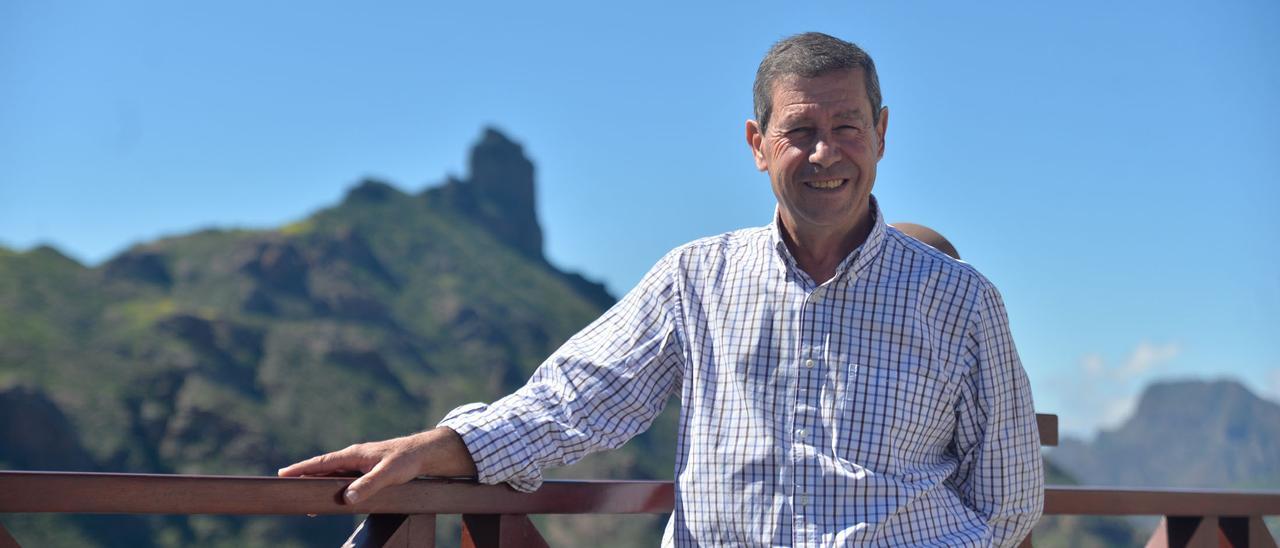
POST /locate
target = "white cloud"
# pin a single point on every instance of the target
(1146, 357)
(1092, 365)
(1106, 391)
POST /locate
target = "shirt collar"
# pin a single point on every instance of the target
(857, 259)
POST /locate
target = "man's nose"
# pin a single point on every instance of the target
(824, 155)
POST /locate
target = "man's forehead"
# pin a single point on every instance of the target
(833, 95)
(844, 86)
(805, 110)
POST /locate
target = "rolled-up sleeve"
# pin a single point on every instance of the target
(602, 387)
(1001, 474)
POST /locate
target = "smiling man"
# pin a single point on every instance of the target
(840, 382)
(819, 138)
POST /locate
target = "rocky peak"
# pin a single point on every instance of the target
(501, 187)
(1226, 407)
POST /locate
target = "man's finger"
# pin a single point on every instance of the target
(345, 459)
(369, 484)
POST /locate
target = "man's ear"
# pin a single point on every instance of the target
(755, 140)
(881, 127)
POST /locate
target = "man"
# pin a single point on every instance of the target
(840, 382)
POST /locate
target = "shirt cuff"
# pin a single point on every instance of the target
(495, 445)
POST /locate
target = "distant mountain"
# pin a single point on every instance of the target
(1209, 434)
(1190, 433)
(238, 351)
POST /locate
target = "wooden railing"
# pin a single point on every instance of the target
(496, 515)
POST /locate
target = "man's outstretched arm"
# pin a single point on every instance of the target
(436, 452)
(605, 384)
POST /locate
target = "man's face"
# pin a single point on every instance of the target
(820, 149)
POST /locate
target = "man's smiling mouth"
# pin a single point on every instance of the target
(827, 184)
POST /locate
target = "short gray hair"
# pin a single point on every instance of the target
(811, 55)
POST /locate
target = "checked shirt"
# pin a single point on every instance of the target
(884, 407)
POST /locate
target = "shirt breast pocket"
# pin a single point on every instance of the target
(895, 415)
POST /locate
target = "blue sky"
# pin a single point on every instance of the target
(1113, 167)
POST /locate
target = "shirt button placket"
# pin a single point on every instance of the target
(801, 499)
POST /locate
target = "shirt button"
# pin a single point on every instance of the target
(808, 363)
(800, 433)
(802, 500)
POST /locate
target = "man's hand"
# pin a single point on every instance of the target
(437, 452)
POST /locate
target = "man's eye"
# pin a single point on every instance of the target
(799, 132)
(848, 128)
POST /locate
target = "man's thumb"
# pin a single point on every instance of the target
(367, 485)
(352, 494)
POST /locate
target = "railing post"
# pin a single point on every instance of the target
(1185, 532)
(1242, 532)
(500, 531)
(394, 531)
(7, 540)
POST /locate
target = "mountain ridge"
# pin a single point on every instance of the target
(1209, 433)
(235, 351)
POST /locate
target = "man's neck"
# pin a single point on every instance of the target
(818, 252)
